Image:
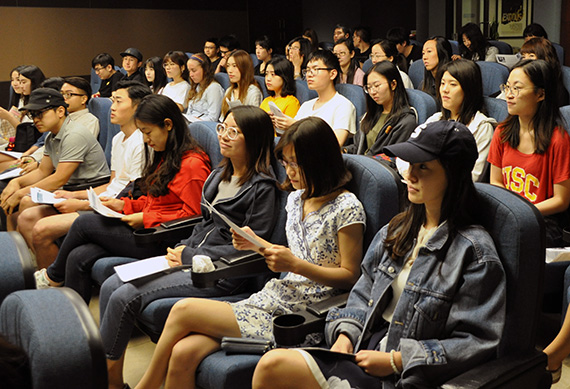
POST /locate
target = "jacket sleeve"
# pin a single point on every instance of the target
(350, 320)
(134, 205)
(475, 323)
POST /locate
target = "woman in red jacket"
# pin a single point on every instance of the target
(175, 171)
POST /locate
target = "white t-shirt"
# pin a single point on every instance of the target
(177, 92)
(127, 159)
(338, 112)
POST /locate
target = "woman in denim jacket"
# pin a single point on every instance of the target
(430, 303)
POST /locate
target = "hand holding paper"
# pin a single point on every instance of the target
(98, 206)
(40, 196)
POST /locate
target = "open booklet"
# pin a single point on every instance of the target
(13, 154)
(12, 173)
(97, 205)
(347, 356)
(235, 227)
(40, 196)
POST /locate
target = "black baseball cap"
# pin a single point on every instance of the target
(41, 98)
(443, 139)
(133, 53)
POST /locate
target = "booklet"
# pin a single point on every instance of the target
(40, 196)
(10, 173)
(144, 267)
(275, 109)
(346, 356)
(13, 154)
(508, 60)
(235, 227)
(97, 205)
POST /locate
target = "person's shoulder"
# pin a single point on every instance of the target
(479, 238)
(348, 200)
(434, 118)
(341, 101)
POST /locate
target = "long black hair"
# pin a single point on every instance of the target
(36, 77)
(444, 51)
(160, 79)
(284, 69)
(479, 45)
(162, 166)
(15, 100)
(353, 66)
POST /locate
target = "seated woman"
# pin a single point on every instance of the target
(349, 66)
(436, 53)
(410, 317)
(243, 187)
(205, 95)
(325, 226)
(322, 73)
(264, 53)
(298, 51)
(155, 75)
(173, 178)
(385, 50)
(474, 46)
(312, 37)
(460, 96)
(243, 89)
(281, 87)
(175, 65)
(10, 118)
(389, 118)
(530, 150)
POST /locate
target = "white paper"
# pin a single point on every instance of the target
(145, 267)
(40, 196)
(275, 110)
(10, 173)
(508, 60)
(557, 254)
(235, 227)
(97, 205)
(13, 154)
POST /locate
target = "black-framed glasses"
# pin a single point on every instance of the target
(38, 114)
(313, 71)
(232, 132)
(68, 95)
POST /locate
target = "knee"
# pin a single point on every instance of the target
(40, 232)
(27, 219)
(182, 307)
(270, 367)
(184, 357)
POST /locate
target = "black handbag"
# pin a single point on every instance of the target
(26, 135)
(246, 345)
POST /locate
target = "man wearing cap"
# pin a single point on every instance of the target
(132, 61)
(73, 159)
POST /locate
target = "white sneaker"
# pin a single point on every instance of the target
(42, 281)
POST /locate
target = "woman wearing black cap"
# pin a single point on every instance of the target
(417, 278)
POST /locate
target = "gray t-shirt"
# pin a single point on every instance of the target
(75, 143)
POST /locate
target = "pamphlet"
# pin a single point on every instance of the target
(40, 196)
(142, 268)
(97, 205)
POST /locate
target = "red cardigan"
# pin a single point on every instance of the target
(184, 195)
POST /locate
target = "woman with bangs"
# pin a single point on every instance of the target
(297, 52)
(325, 225)
(530, 150)
(435, 53)
(281, 88)
(11, 118)
(243, 90)
(205, 95)
(155, 75)
(389, 118)
(385, 50)
(349, 66)
(242, 187)
(174, 63)
(264, 53)
(460, 96)
(473, 45)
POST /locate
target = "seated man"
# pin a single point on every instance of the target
(72, 157)
(401, 38)
(104, 66)
(132, 62)
(41, 226)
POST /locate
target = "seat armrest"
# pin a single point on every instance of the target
(168, 232)
(526, 370)
(247, 265)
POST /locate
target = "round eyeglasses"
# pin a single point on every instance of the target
(231, 132)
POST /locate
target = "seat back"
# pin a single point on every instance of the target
(416, 73)
(223, 79)
(454, 47)
(565, 112)
(517, 228)
(566, 77)
(494, 74)
(504, 47)
(261, 81)
(355, 94)
(254, 59)
(559, 52)
(496, 108)
(423, 103)
(101, 108)
(95, 81)
(303, 93)
(59, 335)
(16, 266)
(207, 137)
(367, 65)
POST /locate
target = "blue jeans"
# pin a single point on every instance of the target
(121, 303)
(92, 237)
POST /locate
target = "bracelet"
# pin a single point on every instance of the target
(394, 367)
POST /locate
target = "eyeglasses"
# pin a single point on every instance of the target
(97, 70)
(67, 95)
(377, 56)
(514, 90)
(209, 47)
(340, 54)
(294, 48)
(232, 132)
(38, 114)
(313, 71)
(370, 88)
(292, 165)
(169, 64)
